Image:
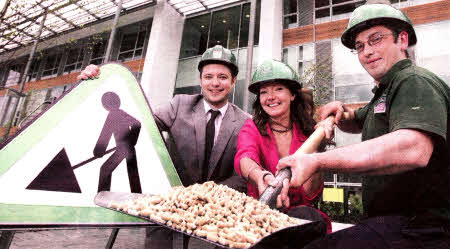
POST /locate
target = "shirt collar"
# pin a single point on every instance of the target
(384, 82)
(222, 110)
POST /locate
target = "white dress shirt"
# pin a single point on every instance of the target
(219, 117)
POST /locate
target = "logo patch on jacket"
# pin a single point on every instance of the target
(380, 107)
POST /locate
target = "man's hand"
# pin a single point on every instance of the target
(283, 198)
(90, 72)
(303, 166)
(328, 126)
(335, 108)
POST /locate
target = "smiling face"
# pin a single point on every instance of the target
(275, 99)
(216, 82)
(379, 58)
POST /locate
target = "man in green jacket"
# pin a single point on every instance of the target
(404, 154)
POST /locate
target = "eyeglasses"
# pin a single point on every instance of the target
(373, 40)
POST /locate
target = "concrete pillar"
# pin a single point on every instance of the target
(161, 59)
(271, 31)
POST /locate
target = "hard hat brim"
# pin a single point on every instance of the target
(349, 35)
(233, 68)
(291, 84)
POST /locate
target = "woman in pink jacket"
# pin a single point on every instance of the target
(282, 121)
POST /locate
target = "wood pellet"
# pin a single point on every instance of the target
(215, 212)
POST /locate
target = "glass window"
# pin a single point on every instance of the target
(289, 56)
(338, 1)
(187, 72)
(98, 51)
(354, 93)
(352, 82)
(290, 14)
(240, 88)
(132, 45)
(195, 36)
(299, 58)
(7, 115)
(290, 7)
(243, 39)
(322, 3)
(322, 13)
(349, 178)
(51, 66)
(336, 9)
(230, 29)
(432, 50)
(74, 61)
(2, 76)
(290, 21)
(128, 42)
(344, 11)
(14, 75)
(226, 28)
(33, 70)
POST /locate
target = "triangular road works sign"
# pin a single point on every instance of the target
(100, 135)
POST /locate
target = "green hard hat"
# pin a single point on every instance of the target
(219, 55)
(274, 71)
(370, 15)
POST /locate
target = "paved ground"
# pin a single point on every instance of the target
(78, 239)
(127, 238)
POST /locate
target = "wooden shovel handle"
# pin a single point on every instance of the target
(312, 143)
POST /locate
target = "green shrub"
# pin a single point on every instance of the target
(335, 210)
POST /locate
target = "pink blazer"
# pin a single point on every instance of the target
(263, 150)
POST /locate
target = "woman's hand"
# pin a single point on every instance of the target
(90, 72)
(266, 180)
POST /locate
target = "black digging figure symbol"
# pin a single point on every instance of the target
(59, 174)
(126, 130)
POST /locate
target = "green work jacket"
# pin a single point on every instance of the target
(409, 97)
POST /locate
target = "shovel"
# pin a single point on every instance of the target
(290, 237)
(269, 195)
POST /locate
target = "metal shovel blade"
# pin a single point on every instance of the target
(290, 237)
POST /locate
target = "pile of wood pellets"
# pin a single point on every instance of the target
(215, 212)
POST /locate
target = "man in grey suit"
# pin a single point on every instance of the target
(186, 118)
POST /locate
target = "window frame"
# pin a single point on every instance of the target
(144, 28)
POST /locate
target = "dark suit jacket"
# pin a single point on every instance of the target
(185, 119)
